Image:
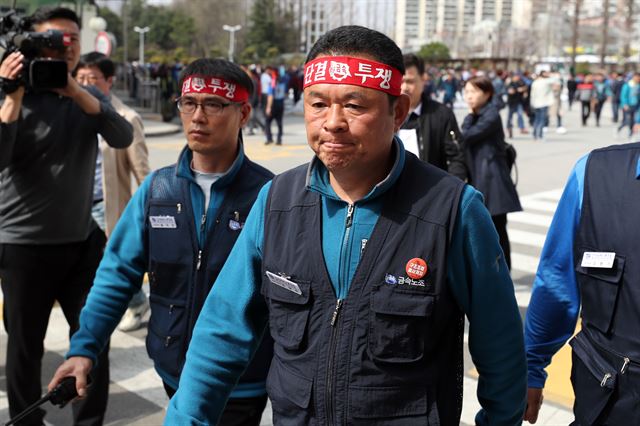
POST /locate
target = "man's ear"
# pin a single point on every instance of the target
(110, 81)
(400, 111)
(245, 110)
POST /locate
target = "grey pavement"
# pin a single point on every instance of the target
(137, 397)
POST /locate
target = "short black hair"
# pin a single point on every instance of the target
(218, 68)
(354, 39)
(412, 60)
(98, 60)
(47, 13)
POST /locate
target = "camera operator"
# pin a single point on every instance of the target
(49, 245)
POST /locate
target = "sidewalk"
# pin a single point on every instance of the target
(154, 126)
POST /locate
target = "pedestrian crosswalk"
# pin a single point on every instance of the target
(527, 231)
(132, 372)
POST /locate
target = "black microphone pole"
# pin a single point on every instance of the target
(60, 395)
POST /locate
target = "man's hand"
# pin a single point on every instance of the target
(10, 69)
(77, 366)
(534, 402)
(12, 66)
(71, 89)
(83, 98)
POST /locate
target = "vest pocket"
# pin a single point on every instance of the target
(599, 289)
(288, 313)
(398, 323)
(168, 280)
(167, 332)
(389, 403)
(290, 395)
(594, 381)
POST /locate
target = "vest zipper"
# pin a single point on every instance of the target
(329, 381)
(344, 255)
(203, 222)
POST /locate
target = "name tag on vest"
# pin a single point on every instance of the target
(598, 259)
(283, 282)
(167, 222)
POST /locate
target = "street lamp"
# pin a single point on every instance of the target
(141, 31)
(232, 32)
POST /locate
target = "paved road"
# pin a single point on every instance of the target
(137, 396)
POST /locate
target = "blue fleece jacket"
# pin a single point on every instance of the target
(235, 314)
(555, 298)
(124, 264)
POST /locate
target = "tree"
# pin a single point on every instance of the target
(434, 51)
(574, 32)
(271, 30)
(605, 32)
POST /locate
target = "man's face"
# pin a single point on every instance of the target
(72, 53)
(213, 133)
(412, 85)
(92, 76)
(351, 126)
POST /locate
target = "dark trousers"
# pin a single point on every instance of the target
(615, 109)
(500, 222)
(33, 278)
(277, 111)
(598, 110)
(586, 111)
(628, 118)
(238, 411)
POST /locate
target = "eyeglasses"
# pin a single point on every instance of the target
(209, 107)
(88, 79)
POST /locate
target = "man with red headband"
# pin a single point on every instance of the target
(179, 227)
(363, 264)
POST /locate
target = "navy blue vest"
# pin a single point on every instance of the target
(391, 352)
(180, 275)
(606, 363)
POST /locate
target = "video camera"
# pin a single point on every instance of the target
(39, 73)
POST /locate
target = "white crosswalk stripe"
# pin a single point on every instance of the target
(527, 232)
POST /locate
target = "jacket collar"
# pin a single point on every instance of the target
(318, 176)
(183, 166)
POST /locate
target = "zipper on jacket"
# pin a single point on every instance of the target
(330, 368)
(203, 222)
(179, 207)
(199, 260)
(345, 252)
(344, 276)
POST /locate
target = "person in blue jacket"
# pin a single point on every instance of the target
(588, 267)
(364, 262)
(630, 103)
(179, 227)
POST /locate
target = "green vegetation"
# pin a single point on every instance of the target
(434, 52)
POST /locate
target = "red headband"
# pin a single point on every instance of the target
(354, 71)
(214, 86)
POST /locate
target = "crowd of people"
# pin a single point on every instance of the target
(340, 287)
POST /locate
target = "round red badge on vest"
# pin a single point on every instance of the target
(416, 268)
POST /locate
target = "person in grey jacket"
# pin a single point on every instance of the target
(50, 246)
